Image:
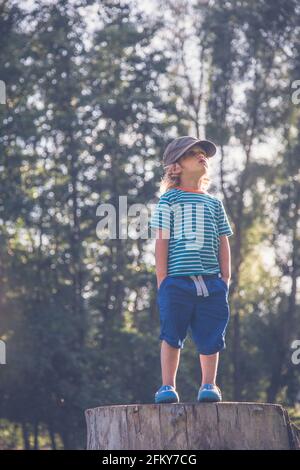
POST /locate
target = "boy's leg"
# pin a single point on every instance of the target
(176, 306)
(209, 366)
(169, 363)
(208, 327)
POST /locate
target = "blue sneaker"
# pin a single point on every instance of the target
(209, 393)
(166, 394)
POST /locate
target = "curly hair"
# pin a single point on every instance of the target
(171, 179)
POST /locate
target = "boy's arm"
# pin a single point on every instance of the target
(161, 255)
(225, 258)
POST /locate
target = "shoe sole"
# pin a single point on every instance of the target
(208, 399)
(170, 400)
(167, 399)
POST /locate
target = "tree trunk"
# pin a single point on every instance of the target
(236, 359)
(36, 436)
(52, 436)
(25, 433)
(190, 426)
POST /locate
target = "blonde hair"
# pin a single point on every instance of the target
(171, 180)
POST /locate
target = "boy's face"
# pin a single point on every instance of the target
(194, 161)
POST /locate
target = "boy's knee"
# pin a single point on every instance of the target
(172, 343)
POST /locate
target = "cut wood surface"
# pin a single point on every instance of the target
(190, 426)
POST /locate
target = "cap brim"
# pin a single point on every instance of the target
(208, 147)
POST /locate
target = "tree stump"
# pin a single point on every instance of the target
(190, 426)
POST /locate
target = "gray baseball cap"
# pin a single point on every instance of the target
(179, 146)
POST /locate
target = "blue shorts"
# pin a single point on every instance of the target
(198, 304)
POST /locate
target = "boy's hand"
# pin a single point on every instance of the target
(226, 279)
(160, 281)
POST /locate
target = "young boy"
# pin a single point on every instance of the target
(192, 255)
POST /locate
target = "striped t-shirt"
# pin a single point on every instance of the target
(194, 220)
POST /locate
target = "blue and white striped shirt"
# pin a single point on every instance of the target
(194, 222)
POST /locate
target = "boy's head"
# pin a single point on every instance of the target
(187, 158)
(180, 146)
(193, 162)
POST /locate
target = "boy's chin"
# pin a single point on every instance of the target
(201, 172)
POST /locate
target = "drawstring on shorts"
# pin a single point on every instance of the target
(200, 284)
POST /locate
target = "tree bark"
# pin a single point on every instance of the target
(190, 426)
(25, 433)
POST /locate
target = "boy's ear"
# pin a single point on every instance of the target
(176, 168)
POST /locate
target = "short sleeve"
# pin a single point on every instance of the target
(224, 227)
(161, 217)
